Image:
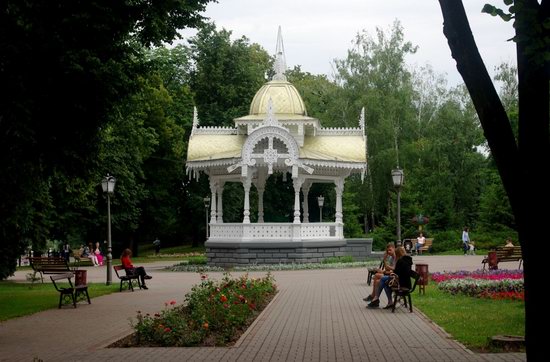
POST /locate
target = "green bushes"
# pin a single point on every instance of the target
(449, 240)
(338, 259)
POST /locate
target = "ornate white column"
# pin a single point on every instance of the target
(260, 187)
(260, 204)
(297, 184)
(221, 184)
(213, 209)
(339, 191)
(305, 191)
(247, 182)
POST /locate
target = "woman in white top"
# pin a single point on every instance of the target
(420, 241)
(466, 240)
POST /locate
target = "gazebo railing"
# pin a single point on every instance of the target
(275, 231)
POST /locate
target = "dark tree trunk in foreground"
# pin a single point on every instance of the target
(521, 166)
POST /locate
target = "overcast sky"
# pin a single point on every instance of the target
(315, 32)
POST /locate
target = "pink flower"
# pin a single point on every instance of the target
(172, 302)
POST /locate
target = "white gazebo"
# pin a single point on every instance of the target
(277, 136)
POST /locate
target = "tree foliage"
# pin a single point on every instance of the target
(67, 65)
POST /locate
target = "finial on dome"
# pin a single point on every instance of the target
(195, 120)
(270, 119)
(280, 62)
(362, 120)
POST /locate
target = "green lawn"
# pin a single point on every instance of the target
(470, 320)
(19, 299)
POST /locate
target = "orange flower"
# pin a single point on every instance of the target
(223, 298)
(205, 325)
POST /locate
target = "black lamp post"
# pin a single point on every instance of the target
(397, 178)
(206, 206)
(108, 186)
(321, 202)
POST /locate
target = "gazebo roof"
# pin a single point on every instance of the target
(277, 134)
(207, 147)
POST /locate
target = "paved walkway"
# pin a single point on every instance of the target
(317, 315)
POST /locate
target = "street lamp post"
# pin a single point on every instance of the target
(321, 202)
(108, 186)
(206, 206)
(397, 178)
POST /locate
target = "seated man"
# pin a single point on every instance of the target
(130, 269)
(389, 261)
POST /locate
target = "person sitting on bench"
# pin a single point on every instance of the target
(131, 269)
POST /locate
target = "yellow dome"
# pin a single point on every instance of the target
(286, 99)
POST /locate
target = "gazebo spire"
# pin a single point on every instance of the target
(280, 62)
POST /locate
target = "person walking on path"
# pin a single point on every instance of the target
(466, 240)
(156, 243)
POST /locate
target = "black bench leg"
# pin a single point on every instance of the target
(60, 300)
(410, 303)
(120, 290)
(394, 302)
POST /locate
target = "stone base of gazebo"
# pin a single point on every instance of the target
(227, 254)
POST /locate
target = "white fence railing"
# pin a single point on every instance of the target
(275, 231)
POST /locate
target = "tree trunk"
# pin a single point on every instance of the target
(517, 164)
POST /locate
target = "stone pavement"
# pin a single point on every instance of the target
(317, 315)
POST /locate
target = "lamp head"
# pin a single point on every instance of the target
(321, 200)
(206, 202)
(397, 177)
(108, 184)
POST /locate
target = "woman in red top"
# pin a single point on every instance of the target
(131, 269)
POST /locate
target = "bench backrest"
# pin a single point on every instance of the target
(508, 252)
(57, 277)
(118, 268)
(51, 265)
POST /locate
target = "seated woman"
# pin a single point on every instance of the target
(420, 241)
(98, 255)
(402, 271)
(509, 243)
(92, 255)
(131, 269)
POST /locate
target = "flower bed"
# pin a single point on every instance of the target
(176, 255)
(274, 267)
(497, 284)
(215, 313)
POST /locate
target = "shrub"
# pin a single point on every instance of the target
(338, 259)
(212, 311)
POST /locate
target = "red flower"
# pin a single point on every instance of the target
(223, 298)
(172, 302)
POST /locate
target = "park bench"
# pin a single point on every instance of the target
(126, 278)
(69, 294)
(503, 253)
(82, 261)
(48, 266)
(427, 245)
(405, 293)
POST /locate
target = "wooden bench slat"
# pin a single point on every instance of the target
(49, 266)
(505, 253)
